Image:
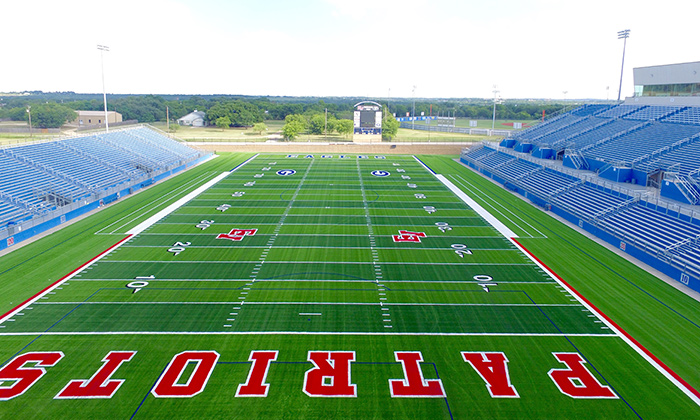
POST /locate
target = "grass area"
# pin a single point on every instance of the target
(485, 124)
(274, 133)
(408, 135)
(324, 270)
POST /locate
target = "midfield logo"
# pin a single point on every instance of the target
(237, 234)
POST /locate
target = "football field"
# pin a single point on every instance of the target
(319, 286)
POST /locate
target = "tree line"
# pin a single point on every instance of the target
(244, 111)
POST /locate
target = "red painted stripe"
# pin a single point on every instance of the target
(66, 276)
(625, 333)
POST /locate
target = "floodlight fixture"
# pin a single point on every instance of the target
(624, 34)
(102, 49)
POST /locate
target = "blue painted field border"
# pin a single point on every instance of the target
(424, 165)
(241, 164)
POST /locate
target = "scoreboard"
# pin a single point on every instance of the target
(367, 118)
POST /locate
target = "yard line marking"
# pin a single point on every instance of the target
(314, 303)
(314, 262)
(310, 313)
(421, 334)
(327, 281)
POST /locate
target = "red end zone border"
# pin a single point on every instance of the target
(660, 366)
(60, 281)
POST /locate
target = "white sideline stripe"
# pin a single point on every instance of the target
(179, 203)
(497, 224)
(45, 333)
(617, 332)
(148, 206)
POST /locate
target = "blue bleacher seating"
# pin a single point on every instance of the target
(74, 169)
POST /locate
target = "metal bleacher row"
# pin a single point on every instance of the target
(38, 177)
(628, 218)
(605, 132)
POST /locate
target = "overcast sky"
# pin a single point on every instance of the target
(373, 48)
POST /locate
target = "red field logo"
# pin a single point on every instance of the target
(237, 234)
(406, 236)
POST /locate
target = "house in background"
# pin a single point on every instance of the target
(194, 119)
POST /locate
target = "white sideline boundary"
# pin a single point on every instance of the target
(505, 231)
(181, 202)
(497, 224)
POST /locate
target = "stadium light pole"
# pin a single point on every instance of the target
(103, 48)
(622, 35)
(495, 94)
(413, 120)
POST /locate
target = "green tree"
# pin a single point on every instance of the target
(332, 125)
(390, 127)
(344, 127)
(296, 117)
(292, 129)
(51, 115)
(259, 128)
(317, 123)
(294, 124)
(148, 108)
(241, 114)
(223, 122)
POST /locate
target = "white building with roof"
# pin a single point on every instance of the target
(194, 119)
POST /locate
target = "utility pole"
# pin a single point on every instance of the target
(29, 111)
(325, 124)
(388, 101)
(103, 48)
(622, 35)
(167, 117)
